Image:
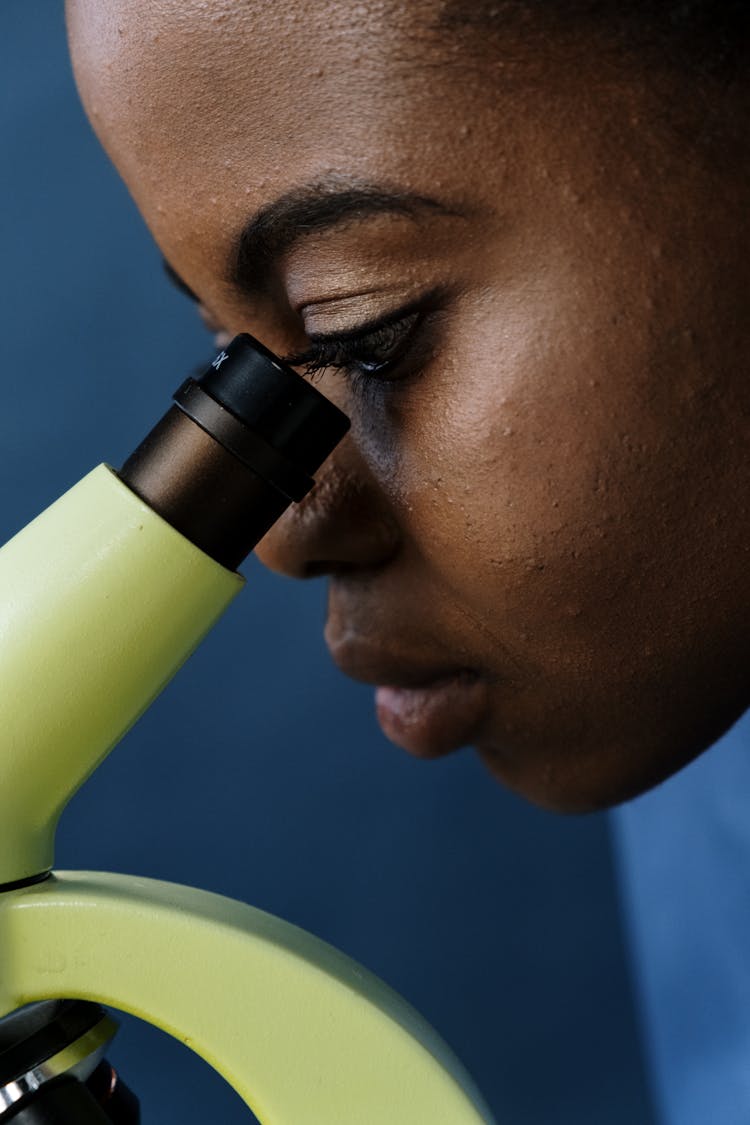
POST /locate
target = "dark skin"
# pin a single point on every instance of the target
(536, 532)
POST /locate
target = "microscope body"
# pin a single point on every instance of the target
(101, 601)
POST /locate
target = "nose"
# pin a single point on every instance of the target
(343, 525)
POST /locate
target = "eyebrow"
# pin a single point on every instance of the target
(276, 228)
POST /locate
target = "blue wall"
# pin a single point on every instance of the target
(499, 922)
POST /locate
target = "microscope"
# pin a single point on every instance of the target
(102, 598)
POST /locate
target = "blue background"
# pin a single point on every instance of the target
(683, 849)
(498, 921)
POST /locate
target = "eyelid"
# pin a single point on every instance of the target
(321, 343)
(418, 304)
(348, 352)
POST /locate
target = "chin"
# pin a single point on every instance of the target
(576, 777)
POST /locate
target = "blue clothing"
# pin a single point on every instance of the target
(684, 853)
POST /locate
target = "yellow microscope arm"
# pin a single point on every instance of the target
(300, 1031)
(102, 600)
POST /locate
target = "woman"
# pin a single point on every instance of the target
(510, 240)
(512, 245)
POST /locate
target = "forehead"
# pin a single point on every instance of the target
(211, 110)
(235, 93)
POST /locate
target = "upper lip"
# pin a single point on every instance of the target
(372, 663)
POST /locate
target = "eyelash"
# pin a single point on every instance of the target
(373, 354)
(395, 334)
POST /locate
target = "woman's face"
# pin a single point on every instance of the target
(534, 286)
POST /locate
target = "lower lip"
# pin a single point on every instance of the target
(432, 720)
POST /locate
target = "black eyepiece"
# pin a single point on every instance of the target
(241, 444)
(276, 403)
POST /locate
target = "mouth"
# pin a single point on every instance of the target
(437, 717)
(426, 709)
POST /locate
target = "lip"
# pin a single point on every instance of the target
(434, 719)
(426, 708)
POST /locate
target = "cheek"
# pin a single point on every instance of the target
(538, 476)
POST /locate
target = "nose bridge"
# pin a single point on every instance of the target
(345, 523)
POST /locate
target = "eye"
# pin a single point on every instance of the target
(371, 352)
(376, 351)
